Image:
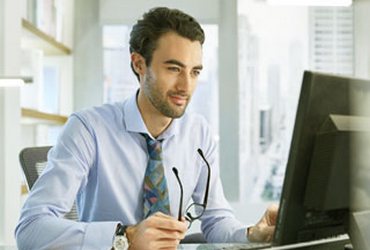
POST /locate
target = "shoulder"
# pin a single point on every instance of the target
(196, 131)
(107, 114)
(196, 126)
(105, 111)
(194, 120)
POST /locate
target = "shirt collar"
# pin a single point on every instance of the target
(134, 122)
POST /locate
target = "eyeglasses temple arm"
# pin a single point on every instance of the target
(176, 172)
(208, 178)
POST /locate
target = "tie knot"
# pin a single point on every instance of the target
(154, 147)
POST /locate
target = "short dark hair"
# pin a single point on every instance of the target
(158, 21)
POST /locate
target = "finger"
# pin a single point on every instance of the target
(271, 214)
(166, 222)
(165, 216)
(261, 233)
(273, 207)
(153, 236)
(269, 233)
(162, 244)
(162, 234)
(172, 225)
(167, 244)
(159, 244)
(160, 214)
(172, 234)
(169, 248)
(159, 233)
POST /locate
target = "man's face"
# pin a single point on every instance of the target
(169, 81)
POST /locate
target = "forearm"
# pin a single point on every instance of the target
(224, 230)
(49, 232)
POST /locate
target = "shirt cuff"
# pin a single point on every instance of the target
(99, 235)
(240, 236)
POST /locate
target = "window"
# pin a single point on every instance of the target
(274, 52)
(331, 40)
(119, 81)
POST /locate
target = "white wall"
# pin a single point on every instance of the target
(10, 27)
(88, 55)
(228, 98)
(127, 12)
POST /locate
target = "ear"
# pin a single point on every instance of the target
(138, 63)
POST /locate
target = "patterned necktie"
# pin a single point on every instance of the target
(155, 184)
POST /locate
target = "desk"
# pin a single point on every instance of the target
(337, 243)
(8, 247)
(332, 244)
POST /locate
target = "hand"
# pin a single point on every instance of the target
(158, 231)
(263, 231)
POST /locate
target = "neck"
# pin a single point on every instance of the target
(154, 121)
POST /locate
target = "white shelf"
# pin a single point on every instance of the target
(35, 38)
(31, 116)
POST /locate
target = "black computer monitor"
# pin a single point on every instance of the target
(315, 198)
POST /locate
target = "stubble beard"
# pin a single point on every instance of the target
(159, 101)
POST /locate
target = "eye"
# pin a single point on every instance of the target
(196, 72)
(174, 69)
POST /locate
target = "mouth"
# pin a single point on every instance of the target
(179, 100)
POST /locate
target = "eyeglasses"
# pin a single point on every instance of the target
(195, 210)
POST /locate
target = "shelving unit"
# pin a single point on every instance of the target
(20, 44)
(35, 116)
(35, 38)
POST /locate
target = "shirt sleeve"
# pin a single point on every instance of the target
(218, 222)
(41, 224)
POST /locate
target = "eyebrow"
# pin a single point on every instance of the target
(180, 64)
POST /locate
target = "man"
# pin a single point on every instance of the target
(101, 158)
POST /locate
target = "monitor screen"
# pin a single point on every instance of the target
(315, 198)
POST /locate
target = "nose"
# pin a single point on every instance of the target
(185, 82)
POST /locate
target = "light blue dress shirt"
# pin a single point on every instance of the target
(100, 160)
